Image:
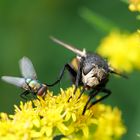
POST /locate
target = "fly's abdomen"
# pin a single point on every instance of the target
(42, 91)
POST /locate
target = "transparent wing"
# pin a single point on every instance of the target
(27, 68)
(69, 47)
(19, 82)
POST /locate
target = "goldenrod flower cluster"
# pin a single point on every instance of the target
(122, 50)
(134, 5)
(54, 116)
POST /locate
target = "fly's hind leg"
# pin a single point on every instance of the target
(70, 70)
(24, 94)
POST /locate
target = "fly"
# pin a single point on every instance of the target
(88, 70)
(28, 81)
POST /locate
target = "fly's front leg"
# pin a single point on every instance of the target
(24, 94)
(78, 76)
(81, 93)
(92, 94)
(106, 91)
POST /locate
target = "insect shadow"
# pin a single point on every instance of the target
(90, 71)
(28, 81)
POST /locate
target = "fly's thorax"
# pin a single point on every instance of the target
(33, 85)
(92, 75)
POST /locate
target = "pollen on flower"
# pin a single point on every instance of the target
(122, 50)
(134, 5)
(54, 116)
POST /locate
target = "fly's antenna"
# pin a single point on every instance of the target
(112, 70)
(69, 47)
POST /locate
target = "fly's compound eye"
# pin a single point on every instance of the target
(88, 68)
(94, 76)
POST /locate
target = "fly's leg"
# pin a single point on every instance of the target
(81, 93)
(78, 78)
(76, 83)
(58, 137)
(70, 70)
(24, 94)
(92, 95)
(108, 92)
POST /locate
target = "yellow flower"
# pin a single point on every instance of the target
(138, 32)
(54, 116)
(122, 50)
(134, 5)
(107, 120)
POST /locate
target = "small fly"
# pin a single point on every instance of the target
(29, 80)
(88, 70)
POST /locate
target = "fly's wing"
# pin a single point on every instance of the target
(27, 68)
(69, 47)
(19, 82)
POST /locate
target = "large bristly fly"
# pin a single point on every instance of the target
(29, 80)
(92, 73)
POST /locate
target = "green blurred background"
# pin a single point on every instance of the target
(25, 27)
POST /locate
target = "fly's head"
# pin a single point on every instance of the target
(92, 75)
